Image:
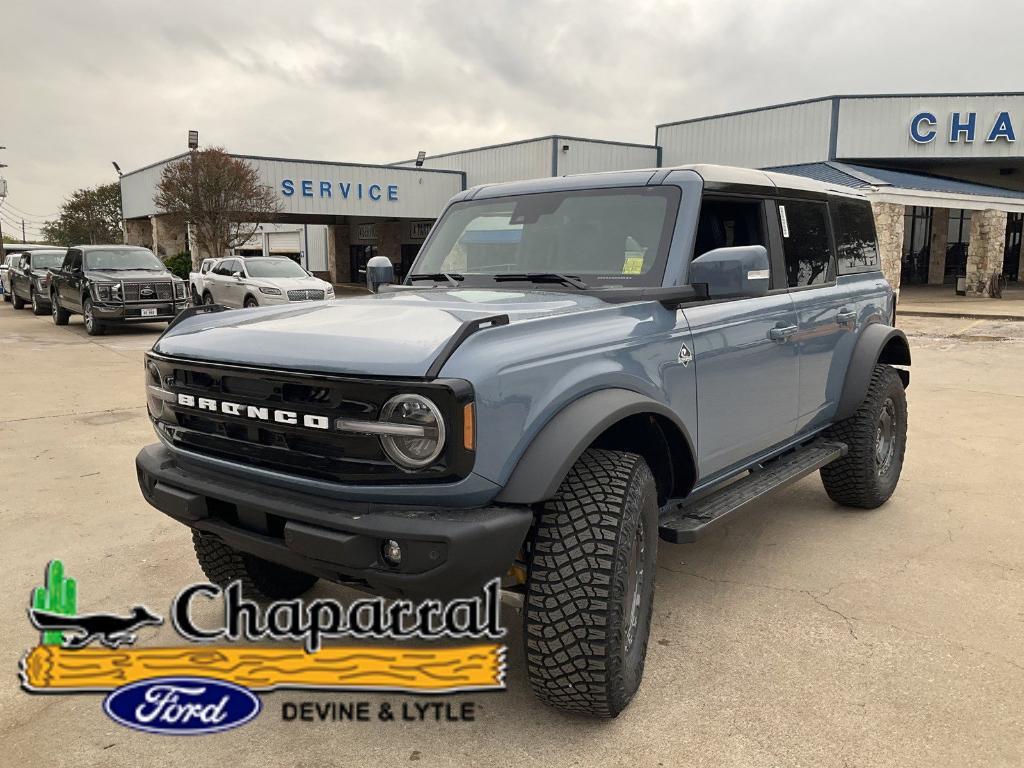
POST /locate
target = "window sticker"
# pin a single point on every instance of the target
(633, 265)
(785, 222)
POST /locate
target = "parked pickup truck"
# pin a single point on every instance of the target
(109, 284)
(197, 280)
(29, 278)
(572, 368)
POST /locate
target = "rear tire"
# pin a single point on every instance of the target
(57, 312)
(590, 588)
(877, 439)
(7, 297)
(261, 579)
(92, 326)
(18, 301)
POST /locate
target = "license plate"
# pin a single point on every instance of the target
(149, 311)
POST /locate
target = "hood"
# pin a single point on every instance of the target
(385, 334)
(289, 283)
(129, 275)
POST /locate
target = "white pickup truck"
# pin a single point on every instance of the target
(197, 280)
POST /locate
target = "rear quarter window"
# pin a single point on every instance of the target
(856, 244)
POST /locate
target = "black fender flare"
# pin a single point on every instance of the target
(552, 453)
(878, 343)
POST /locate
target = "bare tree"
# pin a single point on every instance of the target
(219, 195)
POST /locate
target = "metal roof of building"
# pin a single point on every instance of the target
(862, 177)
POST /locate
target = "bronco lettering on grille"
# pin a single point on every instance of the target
(260, 413)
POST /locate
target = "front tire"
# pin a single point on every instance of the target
(57, 312)
(37, 308)
(876, 436)
(92, 326)
(250, 302)
(207, 298)
(590, 588)
(261, 579)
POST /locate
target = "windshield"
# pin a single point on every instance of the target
(274, 268)
(47, 259)
(605, 237)
(123, 258)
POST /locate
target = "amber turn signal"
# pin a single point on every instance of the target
(468, 426)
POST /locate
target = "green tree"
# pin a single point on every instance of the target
(221, 196)
(91, 216)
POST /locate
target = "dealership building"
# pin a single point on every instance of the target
(944, 174)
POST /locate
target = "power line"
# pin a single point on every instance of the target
(26, 214)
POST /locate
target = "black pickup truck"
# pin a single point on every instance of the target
(109, 284)
(29, 278)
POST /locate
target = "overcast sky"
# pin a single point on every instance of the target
(88, 82)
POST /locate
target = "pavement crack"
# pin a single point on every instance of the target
(75, 413)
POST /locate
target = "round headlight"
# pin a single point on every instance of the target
(425, 441)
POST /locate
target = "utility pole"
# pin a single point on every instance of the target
(23, 230)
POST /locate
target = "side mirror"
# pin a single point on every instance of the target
(738, 272)
(237, 273)
(379, 271)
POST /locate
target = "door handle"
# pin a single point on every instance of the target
(846, 316)
(782, 334)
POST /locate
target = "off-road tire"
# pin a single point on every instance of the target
(92, 326)
(261, 579)
(858, 479)
(18, 301)
(37, 308)
(578, 604)
(57, 312)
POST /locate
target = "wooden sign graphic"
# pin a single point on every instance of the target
(50, 668)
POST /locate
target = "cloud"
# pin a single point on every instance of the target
(87, 83)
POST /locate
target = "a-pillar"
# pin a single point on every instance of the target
(889, 227)
(985, 253)
(937, 246)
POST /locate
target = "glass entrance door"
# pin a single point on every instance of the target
(917, 238)
(1011, 254)
(958, 240)
(358, 256)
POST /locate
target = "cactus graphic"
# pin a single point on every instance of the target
(59, 595)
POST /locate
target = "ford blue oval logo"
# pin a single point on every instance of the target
(182, 705)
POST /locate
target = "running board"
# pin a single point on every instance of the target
(685, 520)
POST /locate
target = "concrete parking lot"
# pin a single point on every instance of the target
(802, 634)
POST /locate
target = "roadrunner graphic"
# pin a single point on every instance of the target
(111, 630)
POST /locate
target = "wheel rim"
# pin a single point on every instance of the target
(88, 316)
(207, 299)
(53, 307)
(634, 583)
(885, 437)
(35, 302)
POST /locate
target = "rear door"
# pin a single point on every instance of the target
(744, 351)
(821, 305)
(216, 282)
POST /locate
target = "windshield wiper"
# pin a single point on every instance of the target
(542, 277)
(452, 278)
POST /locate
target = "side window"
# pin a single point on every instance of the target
(854, 227)
(73, 261)
(224, 268)
(805, 242)
(725, 223)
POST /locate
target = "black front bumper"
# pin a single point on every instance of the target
(131, 313)
(445, 552)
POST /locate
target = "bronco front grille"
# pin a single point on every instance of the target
(148, 291)
(306, 294)
(293, 449)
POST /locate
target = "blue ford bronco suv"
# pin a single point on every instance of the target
(573, 368)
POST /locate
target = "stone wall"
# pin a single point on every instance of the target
(889, 225)
(138, 232)
(168, 239)
(338, 261)
(985, 255)
(937, 246)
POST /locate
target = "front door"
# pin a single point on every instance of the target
(744, 352)
(1011, 254)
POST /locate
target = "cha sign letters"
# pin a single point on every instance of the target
(343, 190)
(964, 127)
